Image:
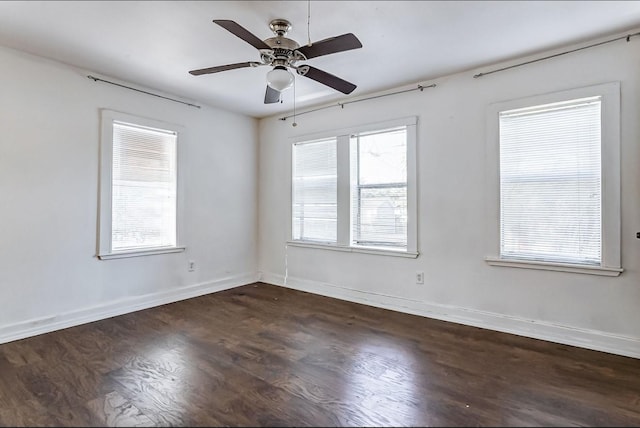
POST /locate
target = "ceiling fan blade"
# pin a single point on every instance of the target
(271, 95)
(241, 32)
(222, 68)
(331, 45)
(326, 79)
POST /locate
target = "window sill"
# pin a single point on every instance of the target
(560, 267)
(364, 250)
(138, 253)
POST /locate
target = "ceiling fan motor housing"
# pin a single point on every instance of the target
(283, 50)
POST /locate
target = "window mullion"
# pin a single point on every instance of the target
(344, 191)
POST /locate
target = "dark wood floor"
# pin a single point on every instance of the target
(261, 355)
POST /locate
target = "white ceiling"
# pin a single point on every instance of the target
(153, 44)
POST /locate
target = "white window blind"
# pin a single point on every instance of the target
(550, 182)
(379, 188)
(315, 191)
(143, 190)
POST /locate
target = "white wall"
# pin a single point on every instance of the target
(579, 309)
(49, 275)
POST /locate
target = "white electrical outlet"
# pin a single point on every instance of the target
(419, 277)
(192, 265)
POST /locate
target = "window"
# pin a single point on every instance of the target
(558, 180)
(379, 189)
(139, 206)
(315, 191)
(355, 190)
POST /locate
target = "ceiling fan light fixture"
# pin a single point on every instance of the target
(280, 78)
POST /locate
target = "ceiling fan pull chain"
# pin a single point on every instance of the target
(294, 102)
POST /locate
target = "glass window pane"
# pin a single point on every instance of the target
(379, 188)
(383, 157)
(315, 191)
(383, 216)
(144, 200)
(550, 182)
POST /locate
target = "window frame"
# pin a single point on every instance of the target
(104, 246)
(344, 222)
(610, 179)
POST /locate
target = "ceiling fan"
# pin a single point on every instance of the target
(282, 54)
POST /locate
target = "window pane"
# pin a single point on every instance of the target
(550, 185)
(383, 216)
(315, 191)
(379, 188)
(383, 157)
(143, 188)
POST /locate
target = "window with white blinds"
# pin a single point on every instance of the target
(140, 181)
(558, 180)
(355, 189)
(143, 187)
(315, 191)
(379, 188)
(550, 188)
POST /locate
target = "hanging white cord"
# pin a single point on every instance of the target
(309, 22)
(286, 264)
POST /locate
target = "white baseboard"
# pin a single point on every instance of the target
(584, 338)
(38, 326)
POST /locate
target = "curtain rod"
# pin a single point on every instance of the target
(419, 87)
(627, 37)
(97, 79)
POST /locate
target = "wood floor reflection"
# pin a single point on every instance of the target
(261, 355)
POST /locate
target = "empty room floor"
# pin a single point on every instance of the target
(262, 355)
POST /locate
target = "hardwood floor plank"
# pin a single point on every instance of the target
(261, 355)
(114, 410)
(29, 413)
